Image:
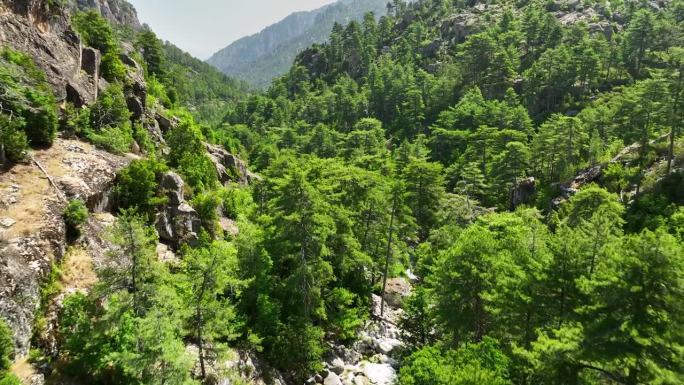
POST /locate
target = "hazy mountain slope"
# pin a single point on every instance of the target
(259, 58)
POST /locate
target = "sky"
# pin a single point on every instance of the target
(202, 27)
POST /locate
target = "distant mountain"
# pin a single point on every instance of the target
(259, 58)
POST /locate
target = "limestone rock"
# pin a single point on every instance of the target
(117, 12)
(165, 124)
(7, 222)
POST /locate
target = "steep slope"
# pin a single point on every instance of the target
(50, 77)
(259, 58)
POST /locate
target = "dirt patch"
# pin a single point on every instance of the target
(23, 369)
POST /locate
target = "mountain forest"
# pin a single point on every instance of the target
(455, 193)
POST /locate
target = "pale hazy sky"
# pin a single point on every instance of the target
(202, 27)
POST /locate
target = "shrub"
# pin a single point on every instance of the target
(41, 118)
(26, 94)
(6, 347)
(13, 141)
(206, 204)
(112, 67)
(137, 186)
(10, 379)
(95, 31)
(481, 363)
(110, 125)
(75, 215)
(75, 121)
(199, 171)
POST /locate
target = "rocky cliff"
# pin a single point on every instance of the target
(34, 193)
(32, 233)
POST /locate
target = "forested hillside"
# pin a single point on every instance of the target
(260, 58)
(456, 193)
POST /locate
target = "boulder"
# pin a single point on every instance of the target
(380, 374)
(396, 291)
(337, 366)
(136, 106)
(332, 379)
(165, 124)
(78, 95)
(173, 184)
(387, 345)
(178, 222)
(178, 225)
(90, 61)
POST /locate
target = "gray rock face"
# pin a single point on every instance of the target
(178, 222)
(523, 192)
(332, 379)
(380, 374)
(90, 61)
(37, 238)
(229, 167)
(337, 366)
(173, 184)
(117, 11)
(47, 37)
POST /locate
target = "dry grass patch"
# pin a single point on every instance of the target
(78, 272)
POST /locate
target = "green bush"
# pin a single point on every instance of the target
(199, 171)
(75, 215)
(75, 121)
(13, 141)
(95, 31)
(25, 93)
(112, 67)
(480, 363)
(6, 347)
(110, 125)
(10, 379)
(137, 187)
(41, 119)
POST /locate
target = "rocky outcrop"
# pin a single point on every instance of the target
(396, 291)
(116, 11)
(177, 222)
(47, 37)
(230, 168)
(523, 192)
(32, 234)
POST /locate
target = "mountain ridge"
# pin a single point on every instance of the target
(260, 57)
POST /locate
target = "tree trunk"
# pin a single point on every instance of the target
(675, 121)
(387, 257)
(200, 343)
